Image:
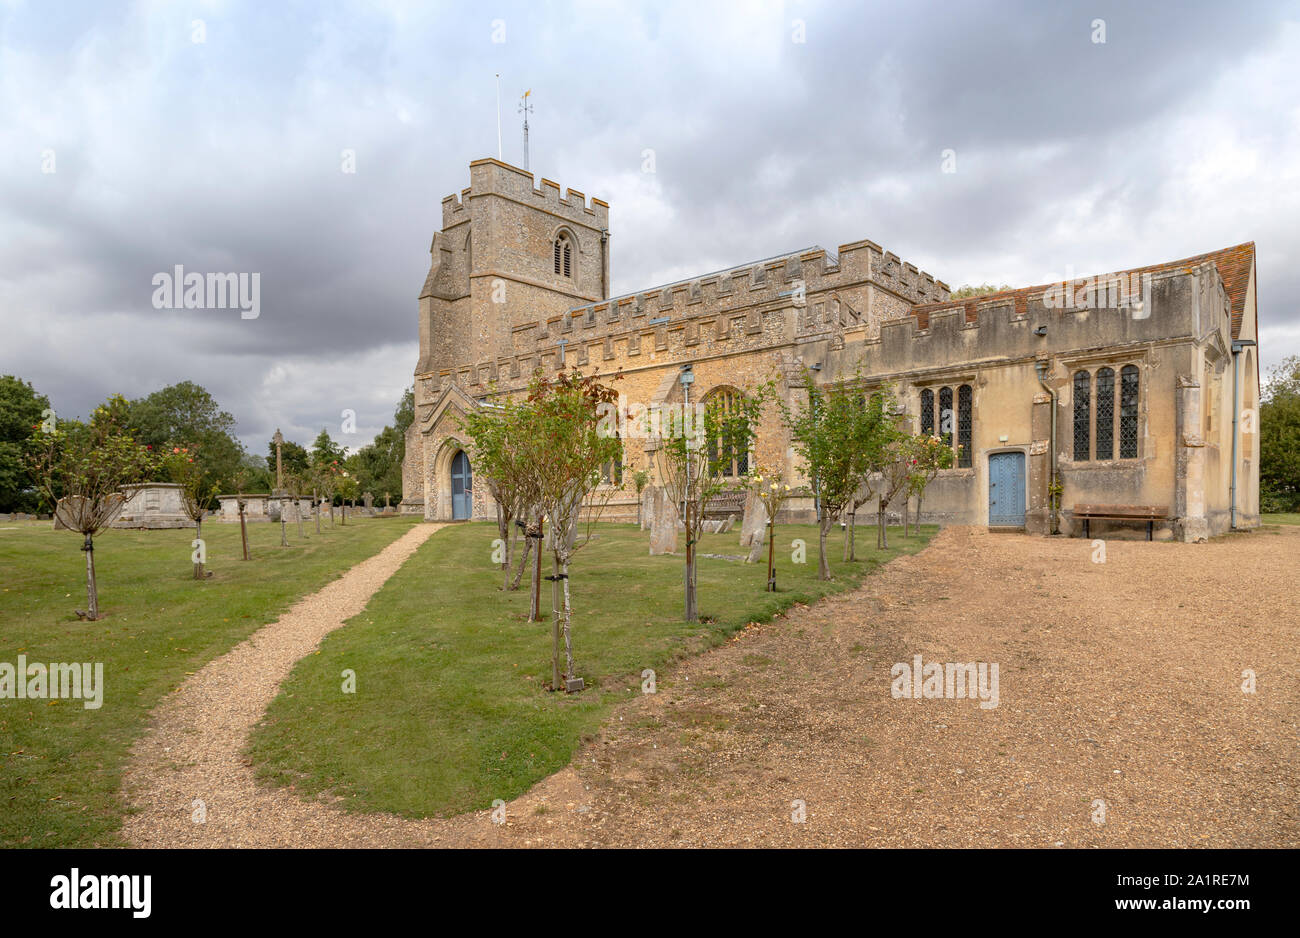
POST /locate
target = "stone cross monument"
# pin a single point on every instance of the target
(278, 440)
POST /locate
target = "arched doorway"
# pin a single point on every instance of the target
(462, 487)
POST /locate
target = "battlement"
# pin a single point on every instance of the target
(751, 306)
(493, 177)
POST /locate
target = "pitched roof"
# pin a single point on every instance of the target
(1234, 265)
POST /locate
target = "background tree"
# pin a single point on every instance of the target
(378, 464)
(22, 411)
(567, 448)
(1279, 438)
(81, 469)
(324, 450)
(836, 439)
(198, 495)
(185, 414)
(967, 290)
(293, 457)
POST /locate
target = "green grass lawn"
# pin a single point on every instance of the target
(1281, 518)
(62, 763)
(450, 709)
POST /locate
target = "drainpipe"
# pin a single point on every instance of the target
(1237, 346)
(604, 263)
(1040, 368)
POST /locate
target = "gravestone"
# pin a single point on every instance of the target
(754, 520)
(758, 547)
(663, 525)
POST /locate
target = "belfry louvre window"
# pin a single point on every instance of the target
(1095, 430)
(955, 426)
(563, 255)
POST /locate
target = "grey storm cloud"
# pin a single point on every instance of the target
(1177, 135)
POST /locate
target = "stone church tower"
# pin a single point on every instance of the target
(507, 254)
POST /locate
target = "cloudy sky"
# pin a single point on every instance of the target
(138, 136)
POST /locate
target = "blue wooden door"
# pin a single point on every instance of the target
(462, 487)
(1007, 489)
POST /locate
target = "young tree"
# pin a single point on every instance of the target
(347, 488)
(198, 495)
(690, 456)
(768, 487)
(641, 478)
(896, 477)
(497, 434)
(80, 469)
(932, 454)
(565, 444)
(837, 439)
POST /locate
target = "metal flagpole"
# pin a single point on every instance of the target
(499, 115)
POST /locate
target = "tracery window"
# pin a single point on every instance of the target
(955, 426)
(1095, 431)
(732, 462)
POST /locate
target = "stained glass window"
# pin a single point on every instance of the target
(1128, 412)
(1082, 414)
(1105, 413)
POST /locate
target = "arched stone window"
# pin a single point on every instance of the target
(927, 412)
(563, 254)
(732, 463)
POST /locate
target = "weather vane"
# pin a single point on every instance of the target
(525, 108)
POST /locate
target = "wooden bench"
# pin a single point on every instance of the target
(1148, 513)
(724, 504)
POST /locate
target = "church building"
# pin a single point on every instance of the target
(1134, 392)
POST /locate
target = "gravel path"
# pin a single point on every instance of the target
(1119, 682)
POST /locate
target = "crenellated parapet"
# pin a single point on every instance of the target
(493, 177)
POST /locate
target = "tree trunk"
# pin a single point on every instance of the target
(331, 511)
(198, 536)
(523, 563)
(537, 570)
(771, 555)
(907, 503)
(315, 504)
(823, 564)
(918, 513)
(243, 534)
(568, 635)
(555, 618)
(284, 529)
(882, 538)
(692, 613)
(92, 588)
(297, 513)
